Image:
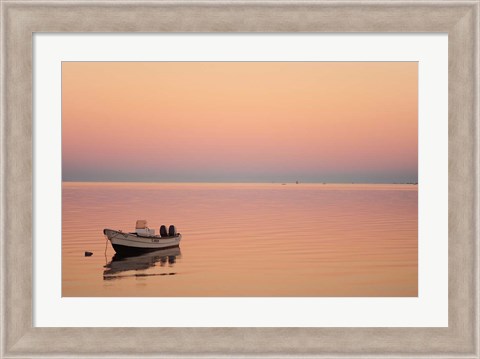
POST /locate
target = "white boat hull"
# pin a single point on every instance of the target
(131, 243)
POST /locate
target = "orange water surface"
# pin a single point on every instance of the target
(244, 239)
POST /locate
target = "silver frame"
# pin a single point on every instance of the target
(20, 19)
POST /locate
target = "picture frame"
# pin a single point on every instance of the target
(20, 20)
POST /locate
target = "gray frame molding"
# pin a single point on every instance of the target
(20, 19)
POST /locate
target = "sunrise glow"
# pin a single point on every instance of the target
(240, 121)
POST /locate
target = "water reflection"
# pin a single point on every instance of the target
(350, 240)
(120, 264)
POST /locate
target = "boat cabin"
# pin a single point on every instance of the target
(142, 229)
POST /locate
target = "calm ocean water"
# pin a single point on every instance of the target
(244, 239)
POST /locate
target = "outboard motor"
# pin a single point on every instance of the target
(163, 231)
(172, 231)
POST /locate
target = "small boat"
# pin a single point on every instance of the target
(143, 240)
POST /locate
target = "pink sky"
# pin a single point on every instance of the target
(240, 121)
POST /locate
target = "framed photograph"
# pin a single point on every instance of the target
(228, 138)
(248, 179)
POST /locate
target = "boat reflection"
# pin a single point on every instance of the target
(120, 264)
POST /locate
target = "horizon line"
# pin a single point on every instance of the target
(241, 182)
